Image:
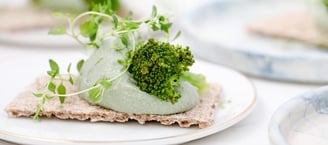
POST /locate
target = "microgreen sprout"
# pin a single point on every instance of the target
(100, 17)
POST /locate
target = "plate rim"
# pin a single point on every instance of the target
(189, 136)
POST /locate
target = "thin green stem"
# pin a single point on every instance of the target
(76, 37)
(115, 32)
(79, 92)
(37, 112)
(82, 15)
(110, 80)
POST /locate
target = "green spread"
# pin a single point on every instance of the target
(124, 95)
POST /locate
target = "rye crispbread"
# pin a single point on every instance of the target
(24, 105)
(299, 26)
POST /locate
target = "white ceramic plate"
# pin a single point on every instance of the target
(37, 38)
(301, 120)
(239, 100)
(218, 30)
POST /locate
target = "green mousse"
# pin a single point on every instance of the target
(124, 95)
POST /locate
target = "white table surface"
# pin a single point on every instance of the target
(250, 131)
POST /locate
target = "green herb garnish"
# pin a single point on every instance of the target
(74, 6)
(156, 66)
(325, 3)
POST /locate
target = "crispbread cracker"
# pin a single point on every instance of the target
(298, 26)
(24, 105)
(25, 18)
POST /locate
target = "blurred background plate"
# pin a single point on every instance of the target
(301, 120)
(26, 23)
(218, 33)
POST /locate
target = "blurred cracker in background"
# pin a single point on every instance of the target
(299, 26)
(15, 19)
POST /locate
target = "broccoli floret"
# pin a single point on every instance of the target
(157, 66)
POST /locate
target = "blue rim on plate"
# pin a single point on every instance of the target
(301, 120)
(218, 33)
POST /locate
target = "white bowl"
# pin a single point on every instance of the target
(302, 120)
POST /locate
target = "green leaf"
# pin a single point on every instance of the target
(115, 21)
(105, 83)
(154, 12)
(147, 21)
(130, 25)
(89, 29)
(53, 65)
(84, 29)
(161, 18)
(54, 68)
(177, 36)
(154, 27)
(115, 5)
(57, 30)
(104, 6)
(121, 61)
(61, 90)
(95, 95)
(52, 74)
(69, 67)
(79, 65)
(124, 39)
(71, 79)
(52, 87)
(61, 99)
(38, 95)
(93, 44)
(166, 27)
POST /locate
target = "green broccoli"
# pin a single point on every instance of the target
(157, 66)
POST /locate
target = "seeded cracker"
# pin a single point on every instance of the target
(24, 105)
